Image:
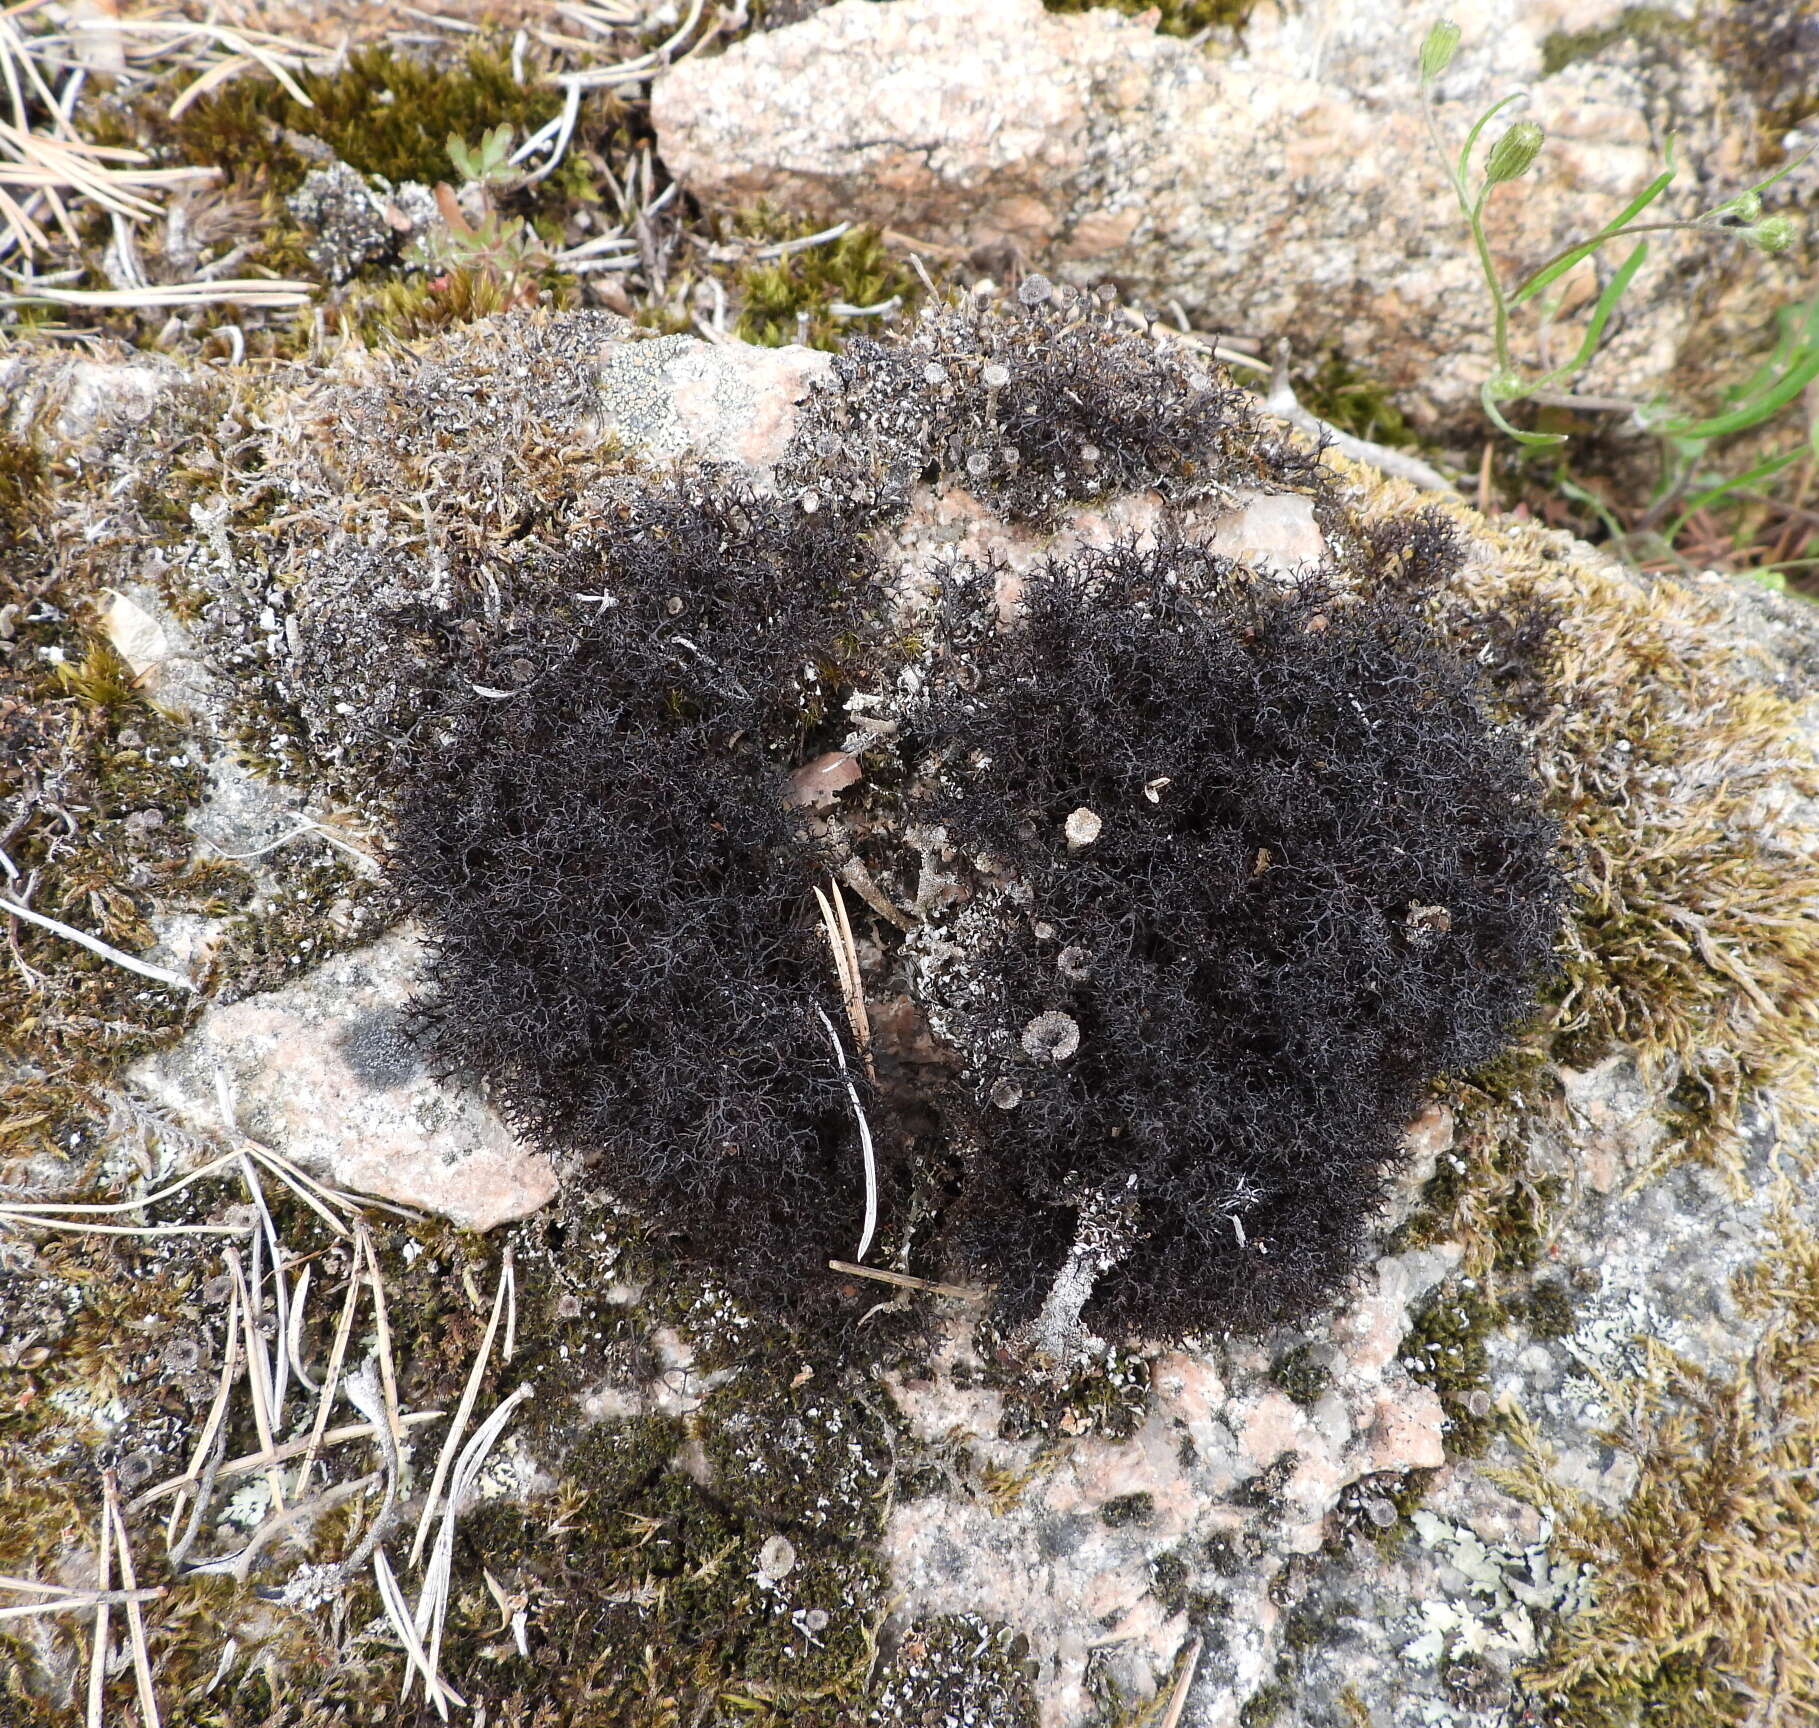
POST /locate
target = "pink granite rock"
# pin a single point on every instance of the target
(321, 1072)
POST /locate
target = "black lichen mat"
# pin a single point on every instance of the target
(1235, 868)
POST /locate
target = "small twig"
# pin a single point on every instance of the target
(258, 1371)
(382, 1325)
(238, 1565)
(839, 930)
(783, 248)
(904, 1281)
(248, 1462)
(275, 295)
(330, 1380)
(206, 1459)
(145, 969)
(1282, 402)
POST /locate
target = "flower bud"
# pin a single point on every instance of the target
(1438, 49)
(1772, 233)
(1514, 153)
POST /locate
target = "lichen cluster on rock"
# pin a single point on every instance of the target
(615, 724)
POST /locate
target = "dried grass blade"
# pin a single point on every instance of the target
(135, 1619)
(97, 1668)
(462, 1411)
(257, 1372)
(330, 1380)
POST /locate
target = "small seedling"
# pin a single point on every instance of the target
(489, 162)
(1686, 438)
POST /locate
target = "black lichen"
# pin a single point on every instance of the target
(1258, 847)
(1058, 402)
(620, 897)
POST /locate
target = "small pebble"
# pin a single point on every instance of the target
(1083, 828)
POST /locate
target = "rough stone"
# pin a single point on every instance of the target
(321, 1072)
(1279, 183)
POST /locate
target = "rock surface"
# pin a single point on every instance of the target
(323, 1072)
(1220, 1498)
(1279, 184)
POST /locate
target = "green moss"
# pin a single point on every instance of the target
(1177, 17)
(1445, 1349)
(1173, 1573)
(1405, 1495)
(1563, 48)
(787, 299)
(382, 112)
(1549, 1310)
(1125, 1509)
(1302, 1375)
(1265, 1705)
(318, 906)
(1354, 402)
(956, 1668)
(22, 478)
(1108, 1395)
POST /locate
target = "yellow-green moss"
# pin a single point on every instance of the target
(1354, 402)
(382, 112)
(1705, 1610)
(787, 299)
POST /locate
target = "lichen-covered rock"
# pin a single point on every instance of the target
(1442, 1496)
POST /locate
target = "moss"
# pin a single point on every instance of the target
(1563, 48)
(1173, 17)
(317, 906)
(1109, 1396)
(1445, 1349)
(1301, 1373)
(1175, 1575)
(126, 774)
(22, 479)
(1549, 1310)
(1404, 1495)
(1354, 402)
(1706, 1606)
(956, 1668)
(382, 112)
(788, 299)
(1662, 737)
(1265, 1705)
(1125, 1509)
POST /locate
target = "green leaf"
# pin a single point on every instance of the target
(1601, 313)
(1734, 483)
(1612, 230)
(1535, 440)
(1753, 413)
